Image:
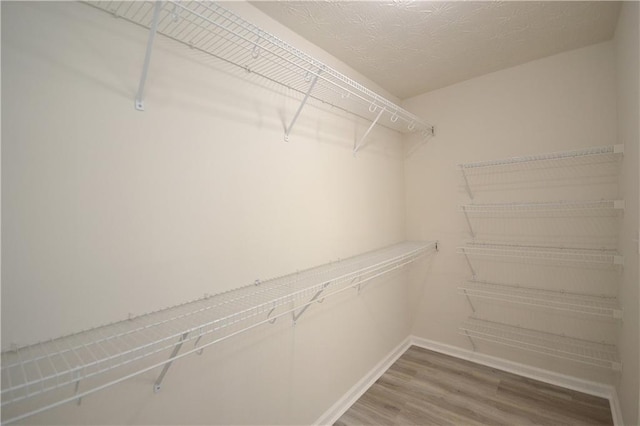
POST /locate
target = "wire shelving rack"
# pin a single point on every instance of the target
(548, 208)
(586, 304)
(562, 158)
(62, 370)
(541, 254)
(578, 350)
(579, 159)
(214, 30)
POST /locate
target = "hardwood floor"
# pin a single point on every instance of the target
(424, 388)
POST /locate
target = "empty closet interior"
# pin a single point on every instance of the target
(209, 219)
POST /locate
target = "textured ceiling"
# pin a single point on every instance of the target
(411, 47)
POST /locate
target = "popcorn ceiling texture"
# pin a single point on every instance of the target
(412, 47)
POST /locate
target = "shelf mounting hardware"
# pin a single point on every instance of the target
(372, 108)
(473, 345)
(287, 130)
(297, 316)
(76, 387)
(466, 216)
(147, 57)
(158, 384)
(255, 52)
(473, 309)
(466, 182)
(466, 256)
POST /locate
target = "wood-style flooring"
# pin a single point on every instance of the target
(428, 388)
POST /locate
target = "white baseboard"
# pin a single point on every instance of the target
(352, 395)
(569, 382)
(592, 388)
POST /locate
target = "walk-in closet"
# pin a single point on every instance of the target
(309, 212)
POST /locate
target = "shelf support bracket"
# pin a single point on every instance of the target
(287, 130)
(473, 345)
(473, 309)
(466, 183)
(158, 384)
(473, 271)
(77, 387)
(466, 216)
(297, 316)
(139, 104)
(360, 143)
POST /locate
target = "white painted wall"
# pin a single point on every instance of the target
(627, 47)
(108, 211)
(563, 102)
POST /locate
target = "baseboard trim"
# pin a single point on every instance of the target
(551, 377)
(616, 411)
(569, 382)
(348, 399)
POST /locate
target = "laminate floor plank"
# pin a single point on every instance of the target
(428, 388)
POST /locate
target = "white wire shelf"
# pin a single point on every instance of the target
(586, 304)
(538, 253)
(599, 154)
(97, 357)
(577, 350)
(559, 207)
(209, 28)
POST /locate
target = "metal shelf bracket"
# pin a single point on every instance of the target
(297, 316)
(473, 271)
(466, 216)
(314, 80)
(360, 143)
(76, 387)
(466, 183)
(473, 309)
(158, 384)
(139, 104)
(473, 345)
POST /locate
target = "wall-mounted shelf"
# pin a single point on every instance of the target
(209, 28)
(586, 155)
(48, 374)
(546, 254)
(592, 224)
(577, 350)
(586, 304)
(559, 207)
(563, 160)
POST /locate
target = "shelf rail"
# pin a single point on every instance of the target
(107, 355)
(577, 350)
(586, 304)
(212, 29)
